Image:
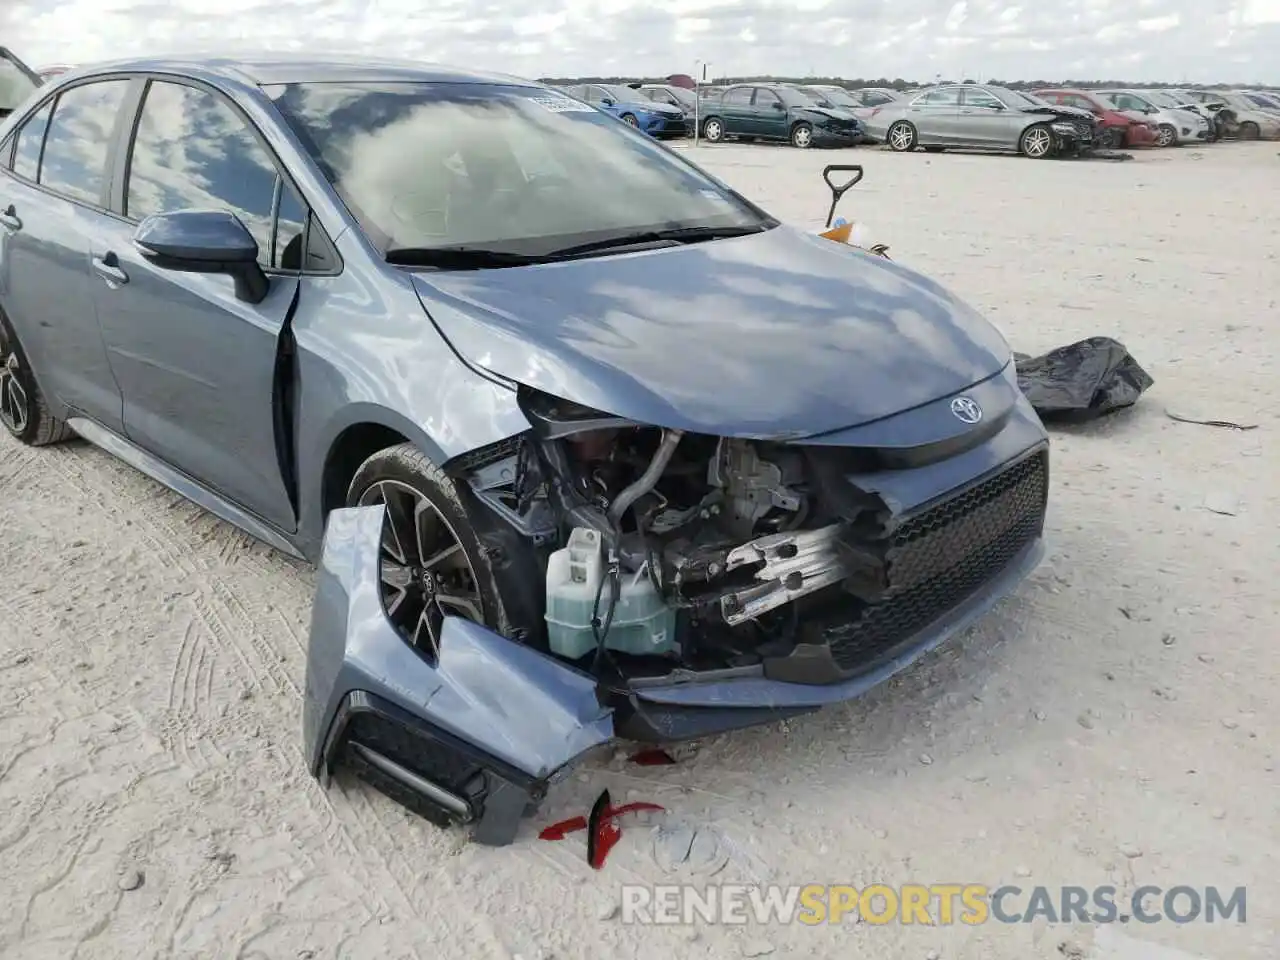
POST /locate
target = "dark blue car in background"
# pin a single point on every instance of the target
(586, 443)
(633, 106)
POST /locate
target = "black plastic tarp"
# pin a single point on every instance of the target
(1081, 381)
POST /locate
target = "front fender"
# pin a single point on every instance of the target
(477, 734)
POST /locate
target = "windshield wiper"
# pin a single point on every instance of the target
(674, 235)
(458, 258)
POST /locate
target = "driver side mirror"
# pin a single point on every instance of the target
(606, 101)
(204, 241)
(778, 106)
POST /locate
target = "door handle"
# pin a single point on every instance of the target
(108, 268)
(10, 219)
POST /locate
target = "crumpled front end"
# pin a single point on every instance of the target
(473, 736)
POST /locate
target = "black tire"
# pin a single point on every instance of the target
(1036, 142)
(23, 410)
(394, 473)
(802, 135)
(713, 130)
(1111, 139)
(1249, 131)
(1167, 136)
(902, 137)
(630, 120)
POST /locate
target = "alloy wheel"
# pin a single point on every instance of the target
(900, 137)
(630, 121)
(425, 573)
(1036, 143)
(15, 410)
(802, 137)
(1167, 135)
(712, 130)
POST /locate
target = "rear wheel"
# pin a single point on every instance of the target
(433, 563)
(23, 410)
(901, 137)
(802, 136)
(1036, 142)
(1249, 131)
(1166, 136)
(713, 130)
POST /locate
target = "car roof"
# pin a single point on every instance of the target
(272, 68)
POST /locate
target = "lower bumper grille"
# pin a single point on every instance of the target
(940, 558)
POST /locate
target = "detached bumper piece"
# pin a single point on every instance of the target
(474, 735)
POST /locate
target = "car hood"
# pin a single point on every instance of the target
(1075, 113)
(781, 334)
(833, 112)
(665, 109)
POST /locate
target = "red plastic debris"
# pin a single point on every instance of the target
(603, 832)
(652, 758)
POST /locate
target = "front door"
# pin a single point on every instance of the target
(196, 366)
(983, 121)
(770, 114)
(53, 195)
(935, 114)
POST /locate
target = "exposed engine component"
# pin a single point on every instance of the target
(793, 565)
(752, 486)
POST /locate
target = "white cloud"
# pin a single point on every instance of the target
(1217, 40)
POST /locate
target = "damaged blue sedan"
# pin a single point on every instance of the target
(587, 444)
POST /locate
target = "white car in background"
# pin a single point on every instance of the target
(1174, 125)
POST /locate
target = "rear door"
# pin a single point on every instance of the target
(936, 114)
(197, 366)
(735, 111)
(54, 195)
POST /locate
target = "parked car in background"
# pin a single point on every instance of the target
(17, 81)
(1243, 119)
(986, 117)
(682, 98)
(1173, 127)
(632, 107)
(839, 98)
(1165, 100)
(332, 302)
(869, 101)
(1263, 99)
(1116, 128)
(770, 111)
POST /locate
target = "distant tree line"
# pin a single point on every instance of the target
(898, 83)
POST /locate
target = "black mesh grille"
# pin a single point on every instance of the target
(941, 557)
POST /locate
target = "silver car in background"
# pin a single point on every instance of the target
(984, 117)
(867, 104)
(1174, 126)
(1244, 119)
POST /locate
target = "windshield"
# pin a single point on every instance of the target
(524, 170)
(1262, 100)
(795, 98)
(15, 85)
(839, 97)
(684, 96)
(1010, 98)
(621, 94)
(1032, 99)
(1164, 100)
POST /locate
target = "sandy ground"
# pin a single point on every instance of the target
(1113, 722)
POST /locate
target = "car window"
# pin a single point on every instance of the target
(738, 97)
(193, 151)
(946, 97)
(15, 85)
(978, 98)
(766, 98)
(291, 229)
(511, 168)
(26, 155)
(78, 141)
(876, 99)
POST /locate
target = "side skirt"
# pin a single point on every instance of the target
(180, 483)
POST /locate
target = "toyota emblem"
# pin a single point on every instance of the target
(966, 410)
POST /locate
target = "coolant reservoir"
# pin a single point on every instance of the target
(642, 622)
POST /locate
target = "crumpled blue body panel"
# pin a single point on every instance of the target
(511, 702)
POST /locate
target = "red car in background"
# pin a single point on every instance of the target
(1117, 129)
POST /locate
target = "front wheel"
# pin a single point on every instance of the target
(1036, 142)
(630, 120)
(901, 137)
(1167, 136)
(713, 130)
(1112, 139)
(1249, 131)
(802, 136)
(23, 410)
(433, 563)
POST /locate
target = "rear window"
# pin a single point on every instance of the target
(16, 85)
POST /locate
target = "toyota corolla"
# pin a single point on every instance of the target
(587, 444)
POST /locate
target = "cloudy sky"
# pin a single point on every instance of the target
(1175, 40)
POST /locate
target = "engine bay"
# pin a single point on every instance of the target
(665, 551)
